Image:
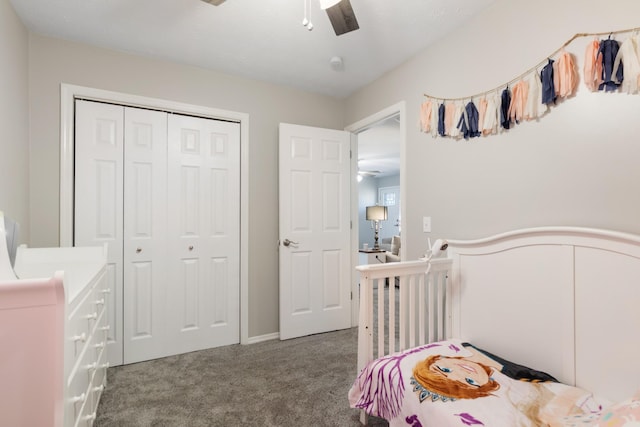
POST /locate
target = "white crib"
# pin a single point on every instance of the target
(560, 299)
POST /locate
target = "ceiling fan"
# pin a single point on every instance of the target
(340, 13)
(367, 174)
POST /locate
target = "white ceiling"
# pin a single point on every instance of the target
(379, 149)
(258, 39)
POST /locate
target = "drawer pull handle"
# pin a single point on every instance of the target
(138, 250)
(100, 301)
(105, 328)
(94, 366)
(190, 247)
(99, 345)
(106, 291)
(90, 417)
(99, 388)
(82, 337)
(77, 399)
(91, 316)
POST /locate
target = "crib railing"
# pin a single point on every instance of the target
(402, 305)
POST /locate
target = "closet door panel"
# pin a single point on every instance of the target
(98, 199)
(222, 286)
(223, 159)
(189, 289)
(204, 184)
(145, 223)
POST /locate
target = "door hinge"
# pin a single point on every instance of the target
(352, 295)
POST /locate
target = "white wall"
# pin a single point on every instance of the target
(14, 119)
(53, 62)
(579, 165)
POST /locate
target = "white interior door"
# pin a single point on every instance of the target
(204, 232)
(314, 178)
(98, 200)
(145, 225)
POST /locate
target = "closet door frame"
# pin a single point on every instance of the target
(68, 95)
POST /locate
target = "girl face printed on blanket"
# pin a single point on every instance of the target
(461, 370)
(455, 377)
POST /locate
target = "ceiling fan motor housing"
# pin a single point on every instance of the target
(214, 2)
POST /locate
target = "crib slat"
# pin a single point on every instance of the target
(432, 308)
(381, 310)
(412, 310)
(441, 305)
(403, 314)
(392, 315)
(423, 281)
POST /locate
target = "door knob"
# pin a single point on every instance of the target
(288, 243)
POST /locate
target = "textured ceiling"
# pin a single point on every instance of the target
(379, 149)
(259, 39)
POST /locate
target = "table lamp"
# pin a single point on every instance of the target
(375, 214)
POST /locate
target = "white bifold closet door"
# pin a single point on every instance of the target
(163, 191)
(204, 232)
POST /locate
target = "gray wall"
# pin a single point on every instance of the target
(55, 61)
(578, 165)
(14, 119)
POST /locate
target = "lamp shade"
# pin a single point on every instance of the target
(376, 213)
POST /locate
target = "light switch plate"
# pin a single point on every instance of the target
(426, 224)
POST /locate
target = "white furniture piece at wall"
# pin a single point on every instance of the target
(162, 191)
(53, 331)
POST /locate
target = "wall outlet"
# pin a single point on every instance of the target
(426, 224)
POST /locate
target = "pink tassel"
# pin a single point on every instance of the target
(592, 66)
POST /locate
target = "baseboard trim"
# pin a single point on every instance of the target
(261, 338)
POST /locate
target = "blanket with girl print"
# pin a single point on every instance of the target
(451, 383)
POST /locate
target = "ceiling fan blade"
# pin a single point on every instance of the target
(214, 2)
(342, 17)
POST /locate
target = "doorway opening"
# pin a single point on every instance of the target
(378, 147)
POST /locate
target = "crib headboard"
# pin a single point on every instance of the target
(562, 299)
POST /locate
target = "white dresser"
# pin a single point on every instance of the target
(73, 314)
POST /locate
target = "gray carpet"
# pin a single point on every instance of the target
(298, 382)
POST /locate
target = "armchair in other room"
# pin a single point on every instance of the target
(392, 252)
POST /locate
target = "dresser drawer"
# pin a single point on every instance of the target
(81, 323)
(99, 380)
(78, 387)
(99, 335)
(87, 416)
